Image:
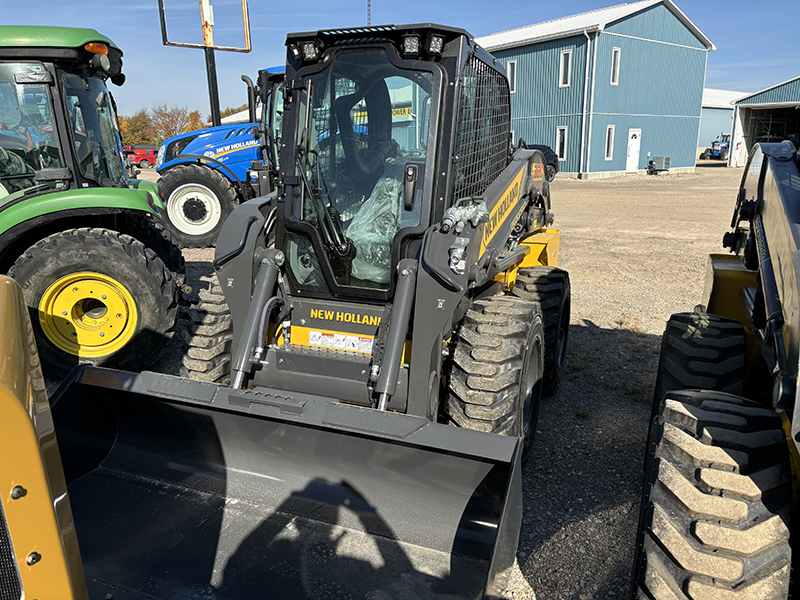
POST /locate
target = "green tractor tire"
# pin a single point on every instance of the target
(97, 296)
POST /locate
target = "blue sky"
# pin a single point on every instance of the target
(756, 41)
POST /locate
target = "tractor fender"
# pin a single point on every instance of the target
(20, 218)
(147, 186)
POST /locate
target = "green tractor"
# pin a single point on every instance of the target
(99, 277)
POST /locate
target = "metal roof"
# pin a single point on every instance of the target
(777, 96)
(595, 20)
(713, 98)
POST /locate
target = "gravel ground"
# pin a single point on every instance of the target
(635, 247)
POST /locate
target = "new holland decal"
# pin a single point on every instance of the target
(501, 210)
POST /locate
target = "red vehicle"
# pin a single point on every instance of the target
(143, 155)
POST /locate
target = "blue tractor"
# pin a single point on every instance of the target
(719, 148)
(205, 174)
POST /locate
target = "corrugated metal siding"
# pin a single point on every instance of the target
(661, 136)
(656, 23)
(788, 92)
(542, 130)
(714, 121)
(654, 79)
(537, 92)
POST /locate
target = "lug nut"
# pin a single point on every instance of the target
(33, 558)
(63, 312)
(102, 334)
(103, 296)
(18, 492)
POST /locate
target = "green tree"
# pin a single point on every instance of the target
(137, 129)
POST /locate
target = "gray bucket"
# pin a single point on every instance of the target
(181, 489)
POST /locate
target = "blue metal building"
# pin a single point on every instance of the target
(608, 88)
(771, 115)
(716, 117)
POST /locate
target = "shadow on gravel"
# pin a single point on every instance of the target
(581, 486)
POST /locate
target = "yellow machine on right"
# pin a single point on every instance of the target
(720, 475)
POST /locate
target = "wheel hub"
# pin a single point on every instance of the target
(195, 210)
(87, 314)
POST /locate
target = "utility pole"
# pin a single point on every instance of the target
(207, 21)
(369, 13)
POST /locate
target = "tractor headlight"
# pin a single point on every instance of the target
(435, 44)
(160, 155)
(411, 45)
(309, 50)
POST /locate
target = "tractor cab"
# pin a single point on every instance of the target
(360, 171)
(57, 118)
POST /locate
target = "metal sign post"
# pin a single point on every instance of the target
(207, 21)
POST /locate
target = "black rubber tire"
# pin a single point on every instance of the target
(152, 233)
(701, 351)
(120, 257)
(723, 155)
(144, 164)
(714, 518)
(495, 383)
(704, 155)
(219, 193)
(549, 287)
(208, 333)
(552, 171)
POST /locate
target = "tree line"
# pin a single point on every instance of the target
(154, 125)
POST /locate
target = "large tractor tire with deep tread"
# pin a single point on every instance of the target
(152, 233)
(208, 333)
(549, 287)
(198, 200)
(97, 296)
(496, 380)
(701, 351)
(714, 518)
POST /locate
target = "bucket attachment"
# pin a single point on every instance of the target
(182, 489)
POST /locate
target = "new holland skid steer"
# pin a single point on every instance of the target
(378, 370)
(718, 512)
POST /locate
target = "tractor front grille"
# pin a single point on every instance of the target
(10, 587)
(484, 129)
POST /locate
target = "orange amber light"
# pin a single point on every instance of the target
(97, 48)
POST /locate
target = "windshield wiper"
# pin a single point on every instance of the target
(330, 226)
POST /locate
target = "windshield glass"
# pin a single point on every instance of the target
(28, 142)
(94, 130)
(366, 123)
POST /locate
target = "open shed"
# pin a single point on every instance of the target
(771, 115)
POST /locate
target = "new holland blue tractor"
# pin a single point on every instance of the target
(205, 174)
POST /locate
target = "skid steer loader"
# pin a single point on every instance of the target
(720, 494)
(409, 313)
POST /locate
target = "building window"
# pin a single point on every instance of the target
(513, 139)
(610, 142)
(615, 53)
(511, 72)
(561, 143)
(564, 68)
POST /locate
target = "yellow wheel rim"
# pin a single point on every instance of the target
(88, 315)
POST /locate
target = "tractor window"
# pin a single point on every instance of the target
(94, 130)
(28, 141)
(359, 129)
(484, 132)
